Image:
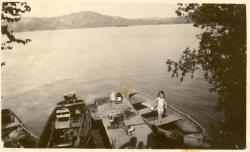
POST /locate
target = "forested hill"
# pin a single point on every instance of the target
(87, 19)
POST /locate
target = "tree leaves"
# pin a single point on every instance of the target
(11, 12)
(222, 57)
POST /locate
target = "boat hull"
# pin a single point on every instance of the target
(81, 140)
(176, 125)
(15, 134)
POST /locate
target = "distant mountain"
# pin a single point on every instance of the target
(87, 19)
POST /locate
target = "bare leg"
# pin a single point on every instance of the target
(160, 111)
(166, 111)
(159, 118)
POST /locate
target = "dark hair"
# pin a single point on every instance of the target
(161, 92)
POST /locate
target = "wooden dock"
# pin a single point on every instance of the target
(118, 137)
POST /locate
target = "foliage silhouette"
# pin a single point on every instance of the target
(222, 57)
(11, 12)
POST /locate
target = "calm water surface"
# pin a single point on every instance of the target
(93, 62)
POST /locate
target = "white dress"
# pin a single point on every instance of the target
(161, 105)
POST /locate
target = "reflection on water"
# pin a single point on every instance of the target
(93, 62)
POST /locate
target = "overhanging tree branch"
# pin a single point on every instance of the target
(222, 57)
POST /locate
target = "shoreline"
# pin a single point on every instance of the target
(95, 27)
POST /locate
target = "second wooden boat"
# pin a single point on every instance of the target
(69, 125)
(174, 124)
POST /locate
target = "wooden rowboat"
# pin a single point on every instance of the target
(69, 125)
(174, 124)
(14, 133)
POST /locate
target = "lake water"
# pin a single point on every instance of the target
(95, 61)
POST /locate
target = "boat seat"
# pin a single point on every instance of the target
(165, 120)
(76, 124)
(135, 101)
(11, 125)
(149, 105)
(144, 111)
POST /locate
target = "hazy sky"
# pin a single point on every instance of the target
(50, 8)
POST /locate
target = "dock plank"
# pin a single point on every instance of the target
(118, 137)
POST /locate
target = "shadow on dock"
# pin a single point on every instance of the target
(99, 136)
(155, 140)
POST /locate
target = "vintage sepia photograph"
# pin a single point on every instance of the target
(123, 75)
